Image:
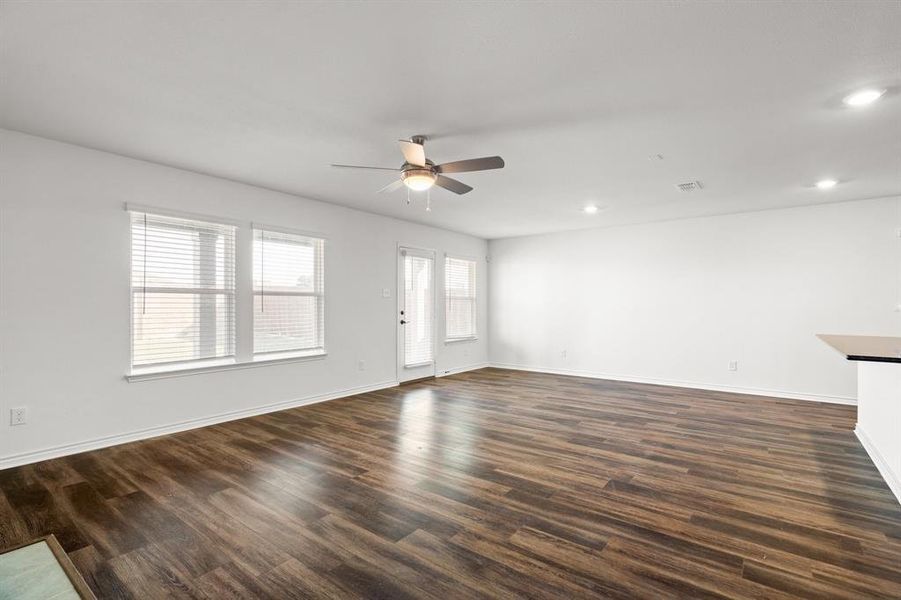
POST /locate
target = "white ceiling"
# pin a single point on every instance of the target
(742, 96)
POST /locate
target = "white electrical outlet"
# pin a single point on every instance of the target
(563, 354)
(18, 416)
(386, 293)
(733, 365)
(361, 365)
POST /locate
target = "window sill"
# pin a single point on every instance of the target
(419, 364)
(278, 357)
(222, 365)
(471, 338)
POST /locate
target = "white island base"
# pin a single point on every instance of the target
(879, 418)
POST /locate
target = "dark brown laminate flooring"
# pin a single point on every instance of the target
(486, 484)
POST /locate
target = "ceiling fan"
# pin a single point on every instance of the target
(419, 173)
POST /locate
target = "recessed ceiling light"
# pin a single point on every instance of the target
(863, 97)
(826, 184)
(590, 209)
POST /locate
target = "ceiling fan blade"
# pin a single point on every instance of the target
(391, 187)
(472, 164)
(457, 187)
(413, 153)
(362, 167)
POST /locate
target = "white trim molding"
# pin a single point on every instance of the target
(214, 366)
(25, 458)
(469, 338)
(279, 229)
(891, 478)
(685, 384)
(446, 372)
(180, 214)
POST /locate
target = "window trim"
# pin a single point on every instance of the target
(320, 350)
(475, 300)
(217, 365)
(244, 357)
(288, 230)
(131, 208)
(180, 214)
(455, 340)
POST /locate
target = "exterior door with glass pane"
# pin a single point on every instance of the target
(415, 313)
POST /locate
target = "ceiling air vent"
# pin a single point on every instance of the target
(690, 186)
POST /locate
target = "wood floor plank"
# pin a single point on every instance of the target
(486, 484)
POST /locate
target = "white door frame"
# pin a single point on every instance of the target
(417, 372)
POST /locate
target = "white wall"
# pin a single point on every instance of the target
(671, 302)
(674, 302)
(64, 281)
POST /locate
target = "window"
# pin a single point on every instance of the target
(418, 309)
(460, 298)
(288, 295)
(182, 290)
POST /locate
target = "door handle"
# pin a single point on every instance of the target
(402, 322)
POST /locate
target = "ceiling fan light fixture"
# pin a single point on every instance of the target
(419, 180)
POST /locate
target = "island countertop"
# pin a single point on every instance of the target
(866, 347)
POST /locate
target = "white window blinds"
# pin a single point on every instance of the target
(288, 292)
(460, 298)
(418, 302)
(182, 290)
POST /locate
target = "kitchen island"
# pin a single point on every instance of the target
(878, 399)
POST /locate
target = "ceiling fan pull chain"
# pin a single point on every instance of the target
(428, 201)
(408, 196)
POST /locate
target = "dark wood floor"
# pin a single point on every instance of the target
(487, 484)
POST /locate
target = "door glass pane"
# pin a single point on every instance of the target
(417, 310)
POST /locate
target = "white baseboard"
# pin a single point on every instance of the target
(892, 479)
(447, 372)
(25, 458)
(685, 384)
